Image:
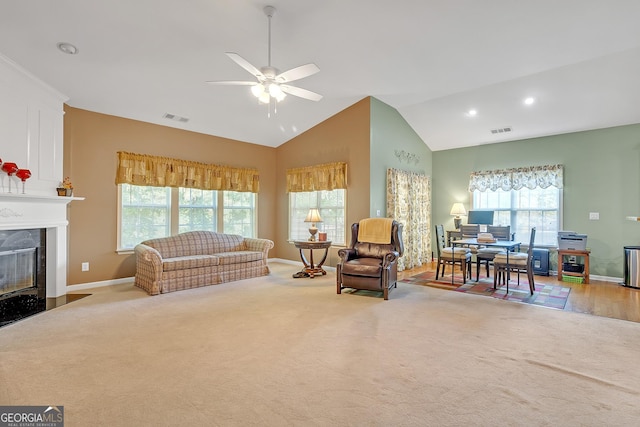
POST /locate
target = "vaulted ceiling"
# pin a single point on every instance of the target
(432, 60)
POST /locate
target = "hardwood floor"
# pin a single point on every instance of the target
(599, 298)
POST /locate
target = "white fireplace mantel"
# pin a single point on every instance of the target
(23, 212)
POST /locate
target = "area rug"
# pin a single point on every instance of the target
(545, 295)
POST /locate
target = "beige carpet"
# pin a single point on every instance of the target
(277, 351)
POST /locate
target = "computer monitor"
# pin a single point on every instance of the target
(480, 217)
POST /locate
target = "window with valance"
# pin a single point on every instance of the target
(156, 171)
(161, 196)
(523, 198)
(322, 187)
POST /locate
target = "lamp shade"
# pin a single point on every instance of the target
(313, 216)
(458, 209)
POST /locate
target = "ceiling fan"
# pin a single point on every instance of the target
(271, 84)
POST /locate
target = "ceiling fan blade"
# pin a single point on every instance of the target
(297, 73)
(232, 83)
(245, 64)
(302, 93)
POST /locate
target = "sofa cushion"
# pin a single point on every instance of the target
(187, 262)
(227, 258)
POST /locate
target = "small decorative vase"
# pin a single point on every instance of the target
(61, 191)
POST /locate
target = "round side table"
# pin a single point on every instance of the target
(310, 269)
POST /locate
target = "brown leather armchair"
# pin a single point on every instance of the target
(370, 266)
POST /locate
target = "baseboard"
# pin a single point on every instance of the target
(285, 261)
(83, 286)
(596, 277)
(298, 263)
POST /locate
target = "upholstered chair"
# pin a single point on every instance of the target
(370, 262)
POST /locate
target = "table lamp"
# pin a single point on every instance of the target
(456, 210)
(313, 216)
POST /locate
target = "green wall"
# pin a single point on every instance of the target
(390, 132)
(601, 174)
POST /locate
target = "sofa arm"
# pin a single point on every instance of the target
(148, 269)
(260, 245)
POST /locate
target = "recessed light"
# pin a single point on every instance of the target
(530, 100)
(67, 48)
(472, 113)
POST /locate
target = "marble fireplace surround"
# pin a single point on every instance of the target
(24, 211)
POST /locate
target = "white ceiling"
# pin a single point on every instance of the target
(432, 60)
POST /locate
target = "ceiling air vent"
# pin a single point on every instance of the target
(501, 130)
(175, 118)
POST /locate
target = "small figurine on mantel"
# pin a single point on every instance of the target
(65, 188)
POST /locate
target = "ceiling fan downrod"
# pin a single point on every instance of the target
(269, 11)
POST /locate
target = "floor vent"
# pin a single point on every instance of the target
(175, 118)
(501, 130)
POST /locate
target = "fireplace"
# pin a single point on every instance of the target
(22, 274)
(19, 212)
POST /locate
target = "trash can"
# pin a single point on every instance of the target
(632, 266)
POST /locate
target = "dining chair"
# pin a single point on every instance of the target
(519, 262)
(500, 232)
(452, 256)
(469, 230)
(486, 255)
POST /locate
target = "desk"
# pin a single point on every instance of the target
(571, 252)
(310, 269)
(507, 245)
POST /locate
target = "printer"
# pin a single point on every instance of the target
(570, 240)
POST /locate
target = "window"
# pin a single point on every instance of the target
(197, 209)
(144, 214)
(239, 213)
(151, 212)
(523, 209)
(330, 204)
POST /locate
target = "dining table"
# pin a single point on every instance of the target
(508, 245)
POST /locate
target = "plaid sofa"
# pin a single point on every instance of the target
(198, 258)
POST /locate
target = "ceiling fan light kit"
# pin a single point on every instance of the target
(270, 84)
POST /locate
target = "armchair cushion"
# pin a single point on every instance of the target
(369, 267)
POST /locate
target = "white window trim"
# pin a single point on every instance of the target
(174, 212)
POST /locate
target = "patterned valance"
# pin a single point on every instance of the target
(514, 179)
(154, 171)
(328, 176)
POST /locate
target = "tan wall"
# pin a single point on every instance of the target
(91, 141)
(344, 137)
